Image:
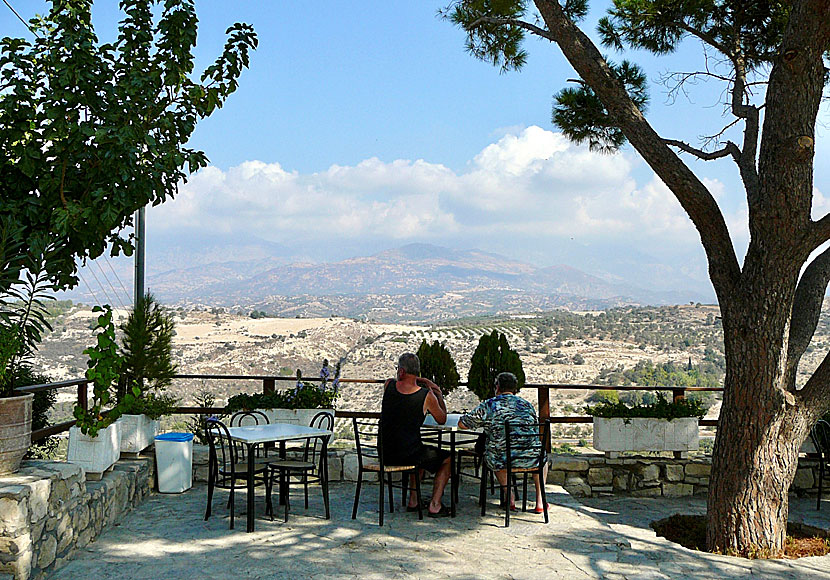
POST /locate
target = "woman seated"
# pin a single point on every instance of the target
(492, 414)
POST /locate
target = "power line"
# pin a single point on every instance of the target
(101, 286)
(94, 297)
(107, 280)
(114, 273)
(19, 17)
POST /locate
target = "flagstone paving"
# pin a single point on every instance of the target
(166, 537)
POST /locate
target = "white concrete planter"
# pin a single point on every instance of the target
(645, 434)
(137, 432)
(95, 454)
(293, 416)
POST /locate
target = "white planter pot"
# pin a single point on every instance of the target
(95, 454)
(137, 432)
(645, 434)
(293, 416)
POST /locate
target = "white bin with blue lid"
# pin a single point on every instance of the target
(174, 462)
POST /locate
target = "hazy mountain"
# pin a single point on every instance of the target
(418, 278)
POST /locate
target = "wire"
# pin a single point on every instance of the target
(107, 280)
(101, 286)
(114, 273)
(19, 17)
(94, 297)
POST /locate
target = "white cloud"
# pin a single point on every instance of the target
(531, 184)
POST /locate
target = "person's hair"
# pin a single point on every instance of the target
(507, 382)
(410, 364)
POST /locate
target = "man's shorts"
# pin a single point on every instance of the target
(431, 458)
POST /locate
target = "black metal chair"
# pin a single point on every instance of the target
(226, 470)
(369, 447)
(820, 434)
(243, 419)
(312, 468)
(520, 435)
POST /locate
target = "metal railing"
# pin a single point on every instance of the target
(269, 385)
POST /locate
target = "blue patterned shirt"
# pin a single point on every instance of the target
(492, 415)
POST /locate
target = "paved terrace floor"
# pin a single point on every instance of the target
(167, 538)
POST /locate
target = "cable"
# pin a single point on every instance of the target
(114, 273)
(107, 279)
(94, 297)
(101, 286)
(19, 17)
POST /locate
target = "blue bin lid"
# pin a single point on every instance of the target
(175, 437)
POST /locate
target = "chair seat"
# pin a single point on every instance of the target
(241, 469)
(388, 468)
(291, 464)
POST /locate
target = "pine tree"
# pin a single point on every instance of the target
(438, 366)
(492, 356)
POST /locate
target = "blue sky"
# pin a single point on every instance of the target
(365, 125)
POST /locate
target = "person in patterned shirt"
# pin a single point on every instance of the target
(491, 415)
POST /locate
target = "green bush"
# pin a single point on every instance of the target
(307, 396)
(492, 356)
(660, 409)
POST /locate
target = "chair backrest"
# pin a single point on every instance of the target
(367, 440)
(314, 447)
(524, 436)
(223, 453)
(820, 434)
(242, 418)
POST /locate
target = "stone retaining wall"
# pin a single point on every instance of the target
(594, 474)
(48, 510)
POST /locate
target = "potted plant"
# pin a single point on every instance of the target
(659, 426)
(95, 440)
(298, 406)
(147, 370)
(24, 287)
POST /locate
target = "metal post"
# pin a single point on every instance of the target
(268, 386)
(139, 254)
(544, 408)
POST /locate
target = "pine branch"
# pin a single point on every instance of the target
(532, 28)
(729, 149)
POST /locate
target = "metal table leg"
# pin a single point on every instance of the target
(251, 486)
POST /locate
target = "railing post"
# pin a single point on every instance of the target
(678, 394)
(544, 408)
(82, 396)
(268, 386)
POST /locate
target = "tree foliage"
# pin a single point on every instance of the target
(492, 356)
(438, 366)
(771, 60)
(147, 351)
(91, 132)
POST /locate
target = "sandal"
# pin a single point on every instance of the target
(414, 508)
(539, 510)
(442, 513)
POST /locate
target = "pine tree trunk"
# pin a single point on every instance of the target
(759, 434)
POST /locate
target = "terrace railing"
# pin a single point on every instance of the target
(269, 385)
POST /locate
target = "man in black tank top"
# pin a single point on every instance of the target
(406, 401)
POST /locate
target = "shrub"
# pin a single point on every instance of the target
(492, 356)
(438, 366)
(660, 409)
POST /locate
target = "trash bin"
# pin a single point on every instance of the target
(174, 462)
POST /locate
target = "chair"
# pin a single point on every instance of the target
(245, 418)
(369, 446)
(515, 435)
(312, 468)
(820, 434)
(226, 470)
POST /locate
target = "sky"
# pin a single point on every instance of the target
(362, 126)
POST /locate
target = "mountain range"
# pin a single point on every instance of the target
(444, 281)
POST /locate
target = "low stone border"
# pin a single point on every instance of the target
(591, 474)
(48, 510)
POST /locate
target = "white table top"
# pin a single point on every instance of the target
(450, 425)
(274, 432)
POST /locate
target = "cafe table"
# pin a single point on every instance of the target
(451, 427)
(253, 435)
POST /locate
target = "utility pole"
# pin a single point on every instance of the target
(139, 255)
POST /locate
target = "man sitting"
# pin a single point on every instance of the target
(406, 401)
(492, 415)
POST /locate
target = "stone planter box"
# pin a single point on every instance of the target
(137, 432)
(293, 416)
(95, 454)
(15, 431)
(645, 434)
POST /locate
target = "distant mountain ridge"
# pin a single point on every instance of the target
(431, 280)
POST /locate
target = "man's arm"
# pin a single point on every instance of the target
(436, 408)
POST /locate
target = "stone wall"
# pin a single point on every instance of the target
(594, 474)
(48, 510)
